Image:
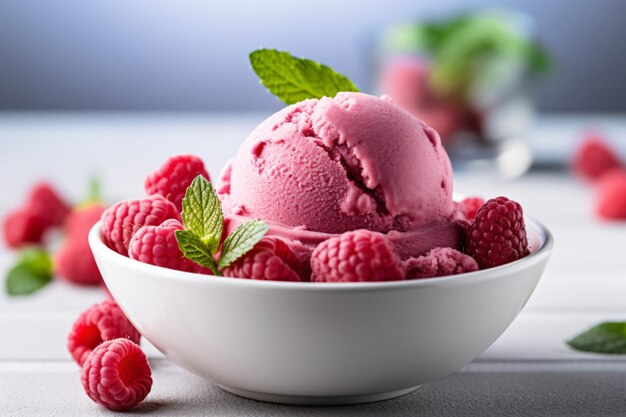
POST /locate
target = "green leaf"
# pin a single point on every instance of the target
(608, 337)
(95, 190)
(241, 241)
(294, 79)
(202, 213)
(32, 271)
(196, 250)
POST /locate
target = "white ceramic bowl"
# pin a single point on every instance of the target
(316, 343)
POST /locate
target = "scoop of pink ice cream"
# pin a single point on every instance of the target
(322, 167)
(333, 165)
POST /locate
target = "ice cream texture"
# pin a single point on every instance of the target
(319, 168)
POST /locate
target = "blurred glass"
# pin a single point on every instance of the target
(469, 77)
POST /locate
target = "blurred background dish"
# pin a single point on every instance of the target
(469, 76)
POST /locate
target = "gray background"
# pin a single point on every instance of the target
(192, 55)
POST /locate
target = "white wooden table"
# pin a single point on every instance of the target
(528, 371)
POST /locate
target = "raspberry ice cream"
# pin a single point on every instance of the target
(320, 168)
(339, 186)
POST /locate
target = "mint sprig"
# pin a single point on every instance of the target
(608, 337)
(203, 222)
(241, 240)
(202, 213)
(293, 79)
(195, 249)
(32, 272)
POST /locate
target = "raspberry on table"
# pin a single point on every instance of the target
(498, 235)
(271, 259)
(440, 262)
(74, 261)
(157, 245)
(99, 323)
(80, 221)
(44, 209)
(122, 220)
(117, 375)
(611, 199)
(360, 255)
(21, 228)
(173, 177)
(593, 158)
(469, 207)
(48, 205)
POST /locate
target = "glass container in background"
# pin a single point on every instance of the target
(469, 77)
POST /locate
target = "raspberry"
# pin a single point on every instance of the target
(360, 255)
(21, 228)
(271, 259)
(75, 263)
(498, 235)
(611, 199)
(80, 221)
(469, 207)
(27, 225)
(74, 260)
(440, 262)
(46, 203)
(173, 177)
(99, 323)
(117, 375)
(594, 158)
(157, 245)
(122, 220)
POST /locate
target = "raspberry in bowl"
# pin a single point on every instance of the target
(333, 265)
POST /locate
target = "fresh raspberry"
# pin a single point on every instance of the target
(498, 235)
(360, 255)
(22, 228)
(157, 245)
(117, 375)
(99, 323)
(271, 259)
(44, 209)
(440, 262)
(74, 261)
(80, 221)
(48, 205)
(469, 207)
(122, 220)
(593, 158)
(611, 199)
(173, 177)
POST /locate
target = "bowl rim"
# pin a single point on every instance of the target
(97, 245)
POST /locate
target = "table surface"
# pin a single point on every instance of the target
(528, 371)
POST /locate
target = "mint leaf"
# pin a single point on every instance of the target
(294, 79)
(202, 213)
(32, 271)
(241, 241)
(608, 337)
(196, 250)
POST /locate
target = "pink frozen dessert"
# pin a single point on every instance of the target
(319, 168)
